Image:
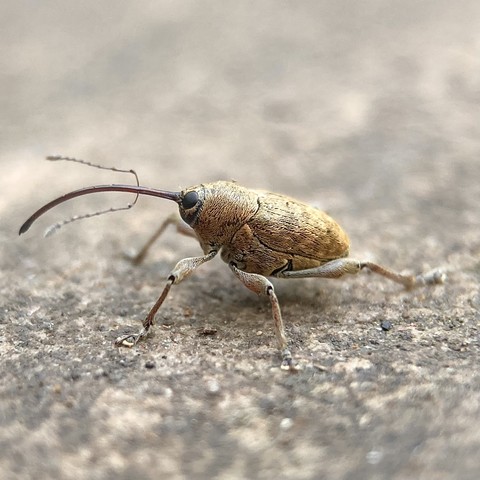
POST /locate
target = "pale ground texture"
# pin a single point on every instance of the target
(369, 110)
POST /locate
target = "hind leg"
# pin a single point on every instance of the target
(338, 268)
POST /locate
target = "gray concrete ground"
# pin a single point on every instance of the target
(369, 110)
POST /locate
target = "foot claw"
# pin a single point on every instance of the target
(135, 258)
(434, 277)
(130, 341)
(287, 361)
(126, 341)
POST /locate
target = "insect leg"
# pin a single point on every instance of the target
(261, 286)
(342, 266)
(182, 270)
(170, 220)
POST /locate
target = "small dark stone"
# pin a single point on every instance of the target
(206, 331)
(149, 364)
(386, 325)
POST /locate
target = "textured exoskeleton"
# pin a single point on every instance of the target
(262, 232)
(258, 234)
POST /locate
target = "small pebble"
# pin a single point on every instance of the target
(207, 331)
(374, 457)
(149, 364)
(213, 387)
(286, 423)
(386, 325)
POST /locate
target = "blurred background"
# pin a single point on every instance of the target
(270, 94)
(369, 110)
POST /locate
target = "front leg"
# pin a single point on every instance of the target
(261, 286)
(182, 270)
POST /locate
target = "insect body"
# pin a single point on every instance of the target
(258, 234)
(261, 232)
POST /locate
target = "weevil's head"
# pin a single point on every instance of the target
(136, 189)
(190, 204)
(216, 211)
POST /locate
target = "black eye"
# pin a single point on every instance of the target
(190, 200)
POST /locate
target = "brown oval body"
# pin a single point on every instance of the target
(285, 234)
(275, 233)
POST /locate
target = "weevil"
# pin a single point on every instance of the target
(258, 234)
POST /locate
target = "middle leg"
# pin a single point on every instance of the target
(261, 286)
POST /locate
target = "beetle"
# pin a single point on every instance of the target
(259, 234)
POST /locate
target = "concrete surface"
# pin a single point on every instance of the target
(369, 110)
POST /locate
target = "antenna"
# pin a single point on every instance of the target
(57, 226)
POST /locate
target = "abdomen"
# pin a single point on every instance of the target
(285, 234)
